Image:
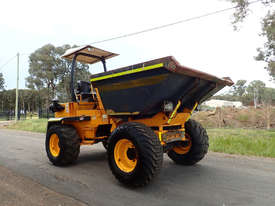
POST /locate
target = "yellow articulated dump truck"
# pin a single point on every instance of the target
(137, 112)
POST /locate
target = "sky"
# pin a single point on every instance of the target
(208, 44)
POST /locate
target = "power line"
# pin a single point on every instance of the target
(154, 28)
(3, 65)
(12, 59)
(171, 24)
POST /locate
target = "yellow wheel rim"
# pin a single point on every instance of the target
(54, 145)
(125, 155)
(184, 149)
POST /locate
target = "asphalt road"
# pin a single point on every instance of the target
(17, 190)
(219, 179)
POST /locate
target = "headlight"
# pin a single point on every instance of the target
(168, 106)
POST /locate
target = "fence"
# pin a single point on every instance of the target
(6, 115)
(45, 114)
(10, 115)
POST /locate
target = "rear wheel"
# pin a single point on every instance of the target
(62, 144)
(135, 154)
(195, 149)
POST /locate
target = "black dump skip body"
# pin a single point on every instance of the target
(142, 89)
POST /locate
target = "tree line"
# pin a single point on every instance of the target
(29, 100)
(253, 94)
(49, 78)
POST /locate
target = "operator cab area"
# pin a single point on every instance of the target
(88, 55)
(84, 92)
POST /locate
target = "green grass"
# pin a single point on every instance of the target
(33, 125)
(3, 118)
(254, 142)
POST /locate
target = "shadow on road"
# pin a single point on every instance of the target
(92, 157)
(171, 173)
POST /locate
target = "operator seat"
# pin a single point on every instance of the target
(84, 92)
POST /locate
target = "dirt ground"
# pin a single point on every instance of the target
(236, 118)
(4, 124)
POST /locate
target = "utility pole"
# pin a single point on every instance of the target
(17, 85)
(256, 96)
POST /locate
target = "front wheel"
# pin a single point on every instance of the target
(62, 144)
(196, 148)
(105, 144)
(135, 154)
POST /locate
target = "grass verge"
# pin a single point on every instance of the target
(256, 142)
(33, 125)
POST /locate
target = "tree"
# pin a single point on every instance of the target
(28, 101)
(8, 100)
(256, 90)
(2, 82)
(267, 97)
(267, 53)
(48, 71)
(239, 88)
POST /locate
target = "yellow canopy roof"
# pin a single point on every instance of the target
(69, 54)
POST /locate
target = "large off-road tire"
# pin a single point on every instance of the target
(135, 154)
(105, 144)
(62, 144)
(196, 149)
